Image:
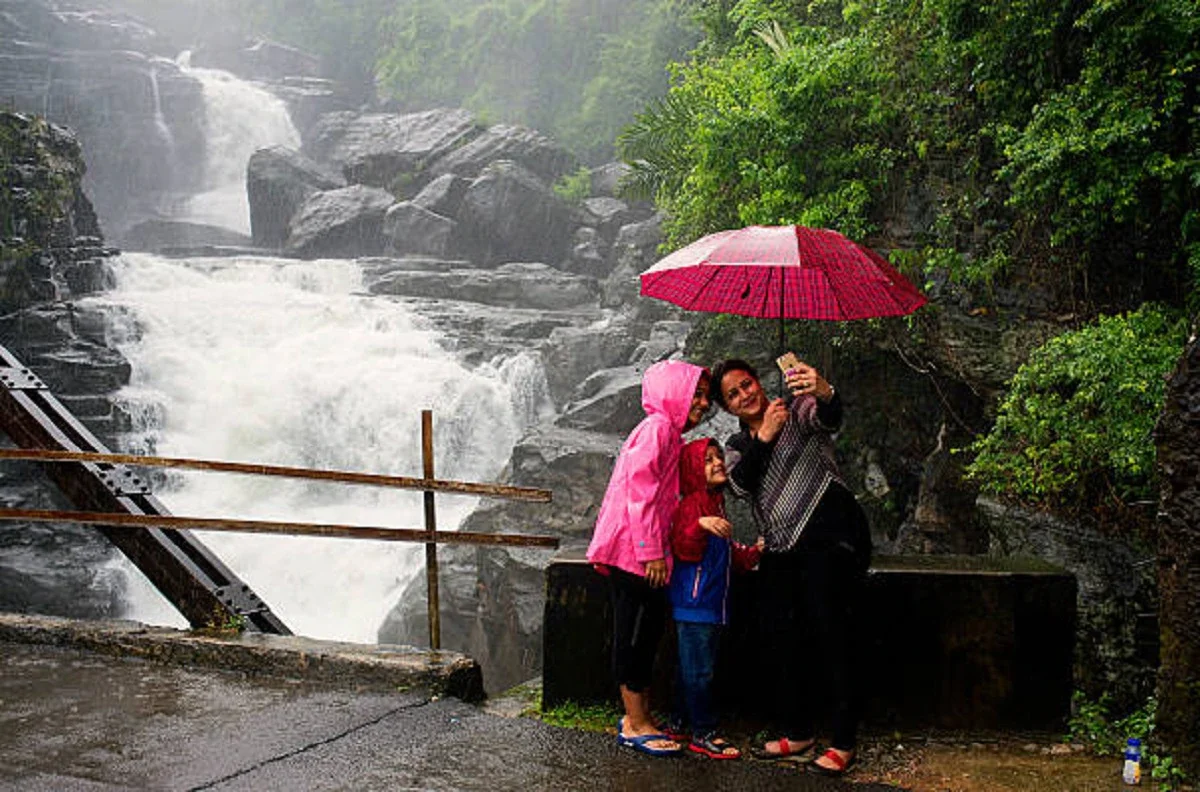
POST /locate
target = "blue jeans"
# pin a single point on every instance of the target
(697, 659)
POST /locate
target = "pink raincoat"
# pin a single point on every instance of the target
(634, 523)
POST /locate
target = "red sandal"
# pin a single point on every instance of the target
(840, 764)
(787, 749)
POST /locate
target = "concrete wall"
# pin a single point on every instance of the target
(947, 641)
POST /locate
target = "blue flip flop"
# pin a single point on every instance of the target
(641, 743)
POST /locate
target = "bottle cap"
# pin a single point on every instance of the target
(1134, 741)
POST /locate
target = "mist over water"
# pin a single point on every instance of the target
(276, 361)
(286, 362)
(240, 118)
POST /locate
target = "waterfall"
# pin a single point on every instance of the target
(240, 118)
(160, 121)
(285, 362)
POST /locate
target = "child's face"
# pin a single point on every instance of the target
(714, 467)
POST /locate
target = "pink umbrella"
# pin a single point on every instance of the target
(782, 272)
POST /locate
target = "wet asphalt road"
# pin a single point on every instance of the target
(74, 720)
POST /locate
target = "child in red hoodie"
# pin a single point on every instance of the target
(699, 590)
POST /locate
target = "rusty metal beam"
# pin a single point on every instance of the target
(330, 530)
(187, 573)
(346, 477)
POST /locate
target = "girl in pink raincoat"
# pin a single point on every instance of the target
(631, 543)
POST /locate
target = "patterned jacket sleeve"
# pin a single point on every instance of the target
(815, 415)
(746, 459)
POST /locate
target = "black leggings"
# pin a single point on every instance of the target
(639, 617)
(812, 595)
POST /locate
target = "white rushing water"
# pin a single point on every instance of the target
(274, 361)
(286, 362)
(240, 118)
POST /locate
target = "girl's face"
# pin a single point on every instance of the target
(714, 467)
(699, 404)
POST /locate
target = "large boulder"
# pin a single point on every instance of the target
(608, 401)
(159, 235)
(606, 179)
(343, 222)
(508, 214)
(443, 195)
(387, 149)
(411, 229)
(493, 607)
(278, 182)
(572, 354)
(517, 285)
(528, 148)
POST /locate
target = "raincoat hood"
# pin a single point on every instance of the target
(691, 467)
(667, 389)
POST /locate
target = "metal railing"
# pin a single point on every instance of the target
(110, 464)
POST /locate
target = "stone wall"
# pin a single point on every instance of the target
(1178, 440)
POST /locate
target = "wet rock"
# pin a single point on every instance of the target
(571, 354)
(633, 252)
(528, 148)
(102, 74)
(386, 149)
(606, 178)
(508, 214)
(443, 195)
(608, 400)
(666, 339)
(409, 228)
(495, 606)
(516, 285)
(1117, 626)
(278, 182)
(1177, 440)
(154, 235)
(587, 256)
(347, 221)
(611, 215)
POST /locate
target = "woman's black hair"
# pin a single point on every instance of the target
(718, 373)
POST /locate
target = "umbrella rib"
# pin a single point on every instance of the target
(709, 277)
(762, 308)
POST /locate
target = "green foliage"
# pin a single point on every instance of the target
(224, 623)
(1055, 133)
(590, 717)
(1074, 430)
(575, 187)
(1093, 725)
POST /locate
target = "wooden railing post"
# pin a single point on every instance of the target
(431, 559)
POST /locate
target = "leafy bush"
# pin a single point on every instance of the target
(1054, 133)
(1074, 430)
(1093, 725)
(574, 187)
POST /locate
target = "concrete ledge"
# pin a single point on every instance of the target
(363, 666)
(957, 642)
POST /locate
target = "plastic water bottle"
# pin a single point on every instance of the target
(1132, 774)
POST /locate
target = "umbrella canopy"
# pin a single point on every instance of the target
(782, 272)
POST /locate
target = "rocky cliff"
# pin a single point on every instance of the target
(51, 253)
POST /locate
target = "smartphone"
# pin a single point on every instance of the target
(786, 361)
